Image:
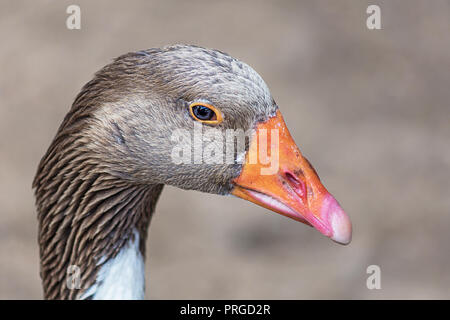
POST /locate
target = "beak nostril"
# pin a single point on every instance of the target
(296, 184)
(291, 178)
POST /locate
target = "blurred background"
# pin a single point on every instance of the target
(369, 108)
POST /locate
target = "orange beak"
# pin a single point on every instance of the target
(279, 178)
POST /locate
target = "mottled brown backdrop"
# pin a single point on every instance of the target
(369, 108)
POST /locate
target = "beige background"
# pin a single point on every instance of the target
(370, 109)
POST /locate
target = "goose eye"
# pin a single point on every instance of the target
(205, 113)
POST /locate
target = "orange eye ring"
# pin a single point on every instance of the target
(205, 113)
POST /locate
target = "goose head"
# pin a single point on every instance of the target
(184, 116)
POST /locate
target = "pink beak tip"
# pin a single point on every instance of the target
(340, 223)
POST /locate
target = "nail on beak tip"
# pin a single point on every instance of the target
(341, 226)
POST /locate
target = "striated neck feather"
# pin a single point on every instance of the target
(91, 220)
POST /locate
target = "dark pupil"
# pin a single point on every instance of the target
(203, 113)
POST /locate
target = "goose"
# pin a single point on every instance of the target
(97, 185)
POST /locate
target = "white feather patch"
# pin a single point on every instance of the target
(121, 278)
